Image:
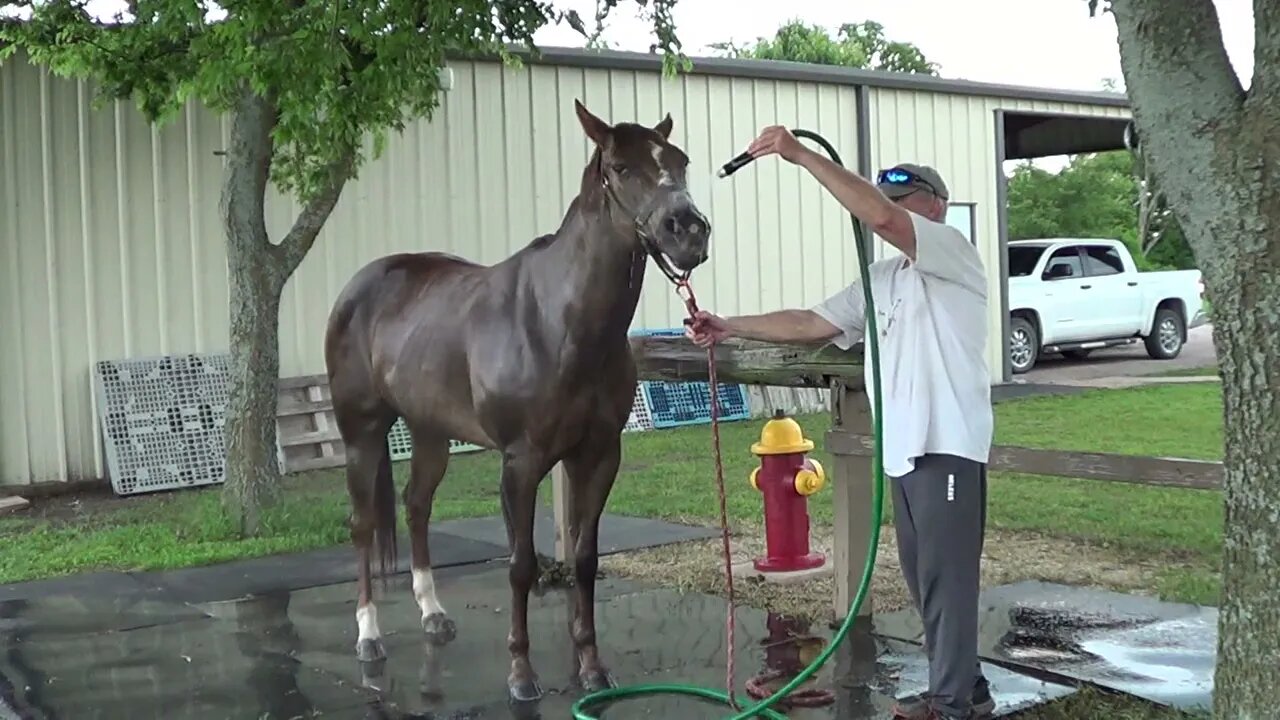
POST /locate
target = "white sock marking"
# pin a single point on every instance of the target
(424, 591)
(367, 622)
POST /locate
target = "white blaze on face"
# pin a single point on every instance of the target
(424, 591)
(367, 622)
(655, 150)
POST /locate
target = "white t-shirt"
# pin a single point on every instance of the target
(931, 317)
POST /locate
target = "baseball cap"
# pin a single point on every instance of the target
(905, 178)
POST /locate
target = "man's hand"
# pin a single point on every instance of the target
(777, 139)
(707, 329)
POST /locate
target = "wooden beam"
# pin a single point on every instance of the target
(677, 359)
(1163, 472)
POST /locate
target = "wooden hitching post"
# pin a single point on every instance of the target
(851, 489)
(560, 502)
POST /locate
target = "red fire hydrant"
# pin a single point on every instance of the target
(786, 478)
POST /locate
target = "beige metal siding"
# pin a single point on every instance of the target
(112, 246)
(957, 135)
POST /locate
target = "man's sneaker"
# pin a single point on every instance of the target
(916, 707)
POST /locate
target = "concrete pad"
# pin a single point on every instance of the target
(746, 570)
(618, 533)
(291, 654)
(13, 503)
(1161, 651)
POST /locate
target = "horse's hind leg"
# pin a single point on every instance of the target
(590, 472)
(373, 517)
(430, 460)
(522, 471)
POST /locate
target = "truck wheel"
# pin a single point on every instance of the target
(1076, 354)
(1024, 345)
(1165, 340)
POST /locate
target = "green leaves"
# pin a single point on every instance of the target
(858, 45)
(342, 72)
(1096, 195)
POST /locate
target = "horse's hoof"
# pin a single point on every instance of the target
(596, 680)
(373, 673)
(439, 628)
(524, 690)
(370, 650)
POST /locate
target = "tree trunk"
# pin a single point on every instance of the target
(256, 286)
(1212, 147)
(1247, 334)
(259, 271)
(253, 472)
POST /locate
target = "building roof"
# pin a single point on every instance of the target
(783, 70)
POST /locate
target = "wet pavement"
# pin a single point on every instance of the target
(143, 653)
(1164, 652)
(453, 543)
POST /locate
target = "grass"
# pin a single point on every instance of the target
(1206, 371)
(669, 475)
(1090, 702)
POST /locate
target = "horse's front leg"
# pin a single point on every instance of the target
(590, 473)
(521, 472)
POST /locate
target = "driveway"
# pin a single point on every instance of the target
(1124, 361)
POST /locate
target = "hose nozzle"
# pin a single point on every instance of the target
(735, 164)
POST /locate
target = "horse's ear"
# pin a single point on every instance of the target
(664, 128)
(594, 127)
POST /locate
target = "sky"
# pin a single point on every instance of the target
(1042, 43)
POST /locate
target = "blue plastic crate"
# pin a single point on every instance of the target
(689, 403)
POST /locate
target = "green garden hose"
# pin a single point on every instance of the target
(763, 709)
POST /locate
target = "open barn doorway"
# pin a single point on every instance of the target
(1024, 135)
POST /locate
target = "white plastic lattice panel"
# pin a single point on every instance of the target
(401, 443)
(162, 421)
(640, 419)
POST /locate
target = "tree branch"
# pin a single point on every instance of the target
(1183, 91)
(294, 247)
(1180, 42)
(1266, 50)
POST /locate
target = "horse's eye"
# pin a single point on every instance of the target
(619, 168)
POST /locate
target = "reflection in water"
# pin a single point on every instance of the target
(431, 692)
(858, 671)
(789, 647)
(19, 683)
(267, 638)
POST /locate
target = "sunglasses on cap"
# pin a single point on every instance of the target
(906, 178)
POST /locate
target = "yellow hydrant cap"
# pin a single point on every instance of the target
(781, 435)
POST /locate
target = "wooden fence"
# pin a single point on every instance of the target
(310, 439)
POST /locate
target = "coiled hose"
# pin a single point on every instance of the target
(763, 709)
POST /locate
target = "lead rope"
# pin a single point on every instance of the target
(685, 291)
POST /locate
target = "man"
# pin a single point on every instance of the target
(931, 315)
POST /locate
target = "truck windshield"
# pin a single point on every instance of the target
(1023, 259)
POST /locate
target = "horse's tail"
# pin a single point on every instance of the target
(384, 514)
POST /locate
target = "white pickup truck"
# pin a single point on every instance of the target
(1074, 296)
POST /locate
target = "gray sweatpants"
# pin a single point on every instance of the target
(940, 515)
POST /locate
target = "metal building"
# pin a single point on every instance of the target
(112, 246)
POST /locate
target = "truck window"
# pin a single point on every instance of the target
(1102, 260)
(1068, 256)
(1023, 259)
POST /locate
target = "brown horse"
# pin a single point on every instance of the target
(408, 337)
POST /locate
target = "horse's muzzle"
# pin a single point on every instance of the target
(685, 237)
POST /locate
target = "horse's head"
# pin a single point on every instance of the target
(644, 178)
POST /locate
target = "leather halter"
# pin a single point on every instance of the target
(646, 240)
